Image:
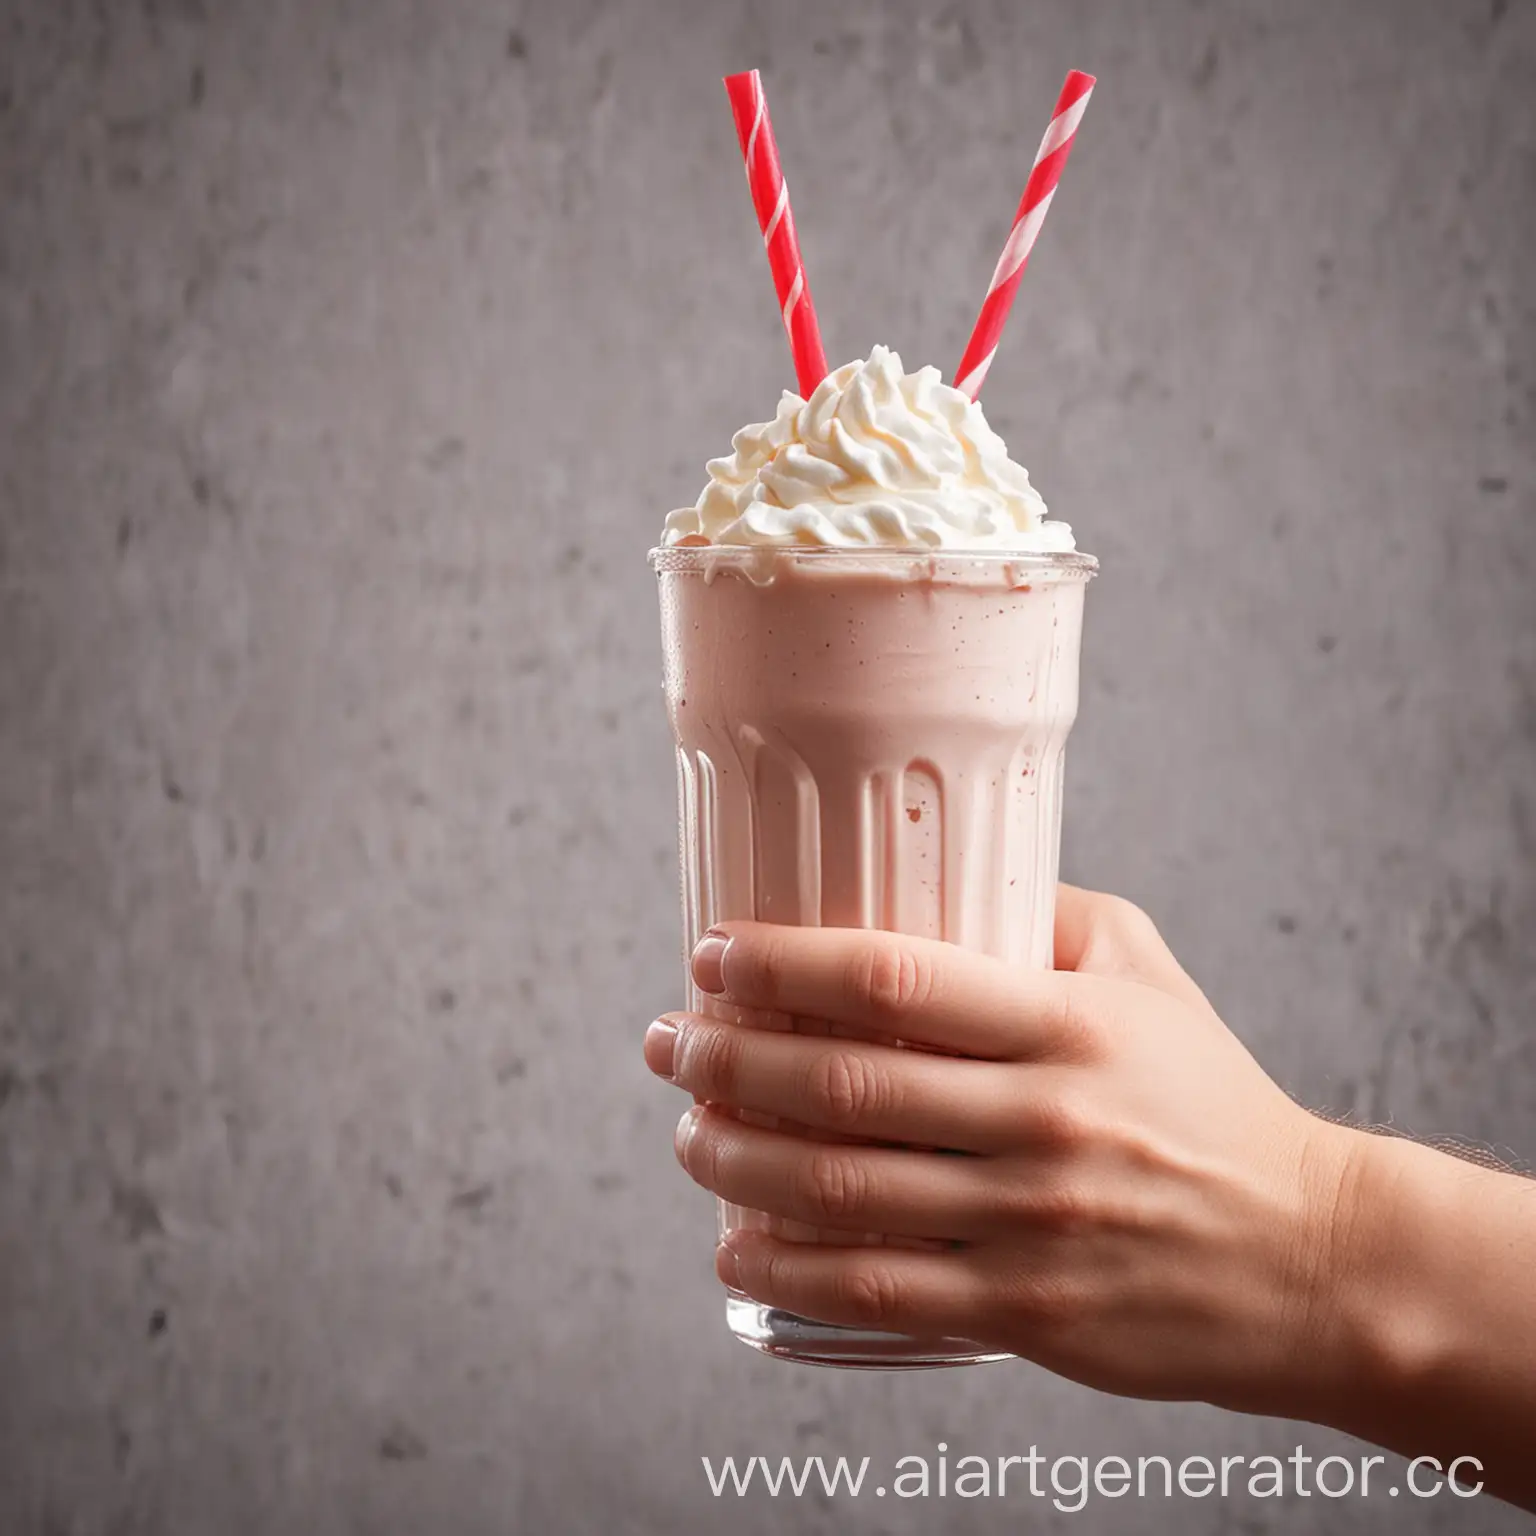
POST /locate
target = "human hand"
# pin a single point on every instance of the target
(1141, 1209)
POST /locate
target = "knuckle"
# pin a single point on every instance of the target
(892, 980)
(869, 1294)
(769, 1274)
(1052, 1306)
(706, 1155)
(1083, 1026)
(834, 1185)
(1064, 1122)
(1065, 1209)
(1045, 1202)
(1130, 924)
(710, 1061)
(845, 1088)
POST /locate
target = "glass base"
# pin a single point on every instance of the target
(788, 1337)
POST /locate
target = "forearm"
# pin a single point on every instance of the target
(1433, 1280)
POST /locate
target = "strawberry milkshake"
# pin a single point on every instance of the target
(871, 630)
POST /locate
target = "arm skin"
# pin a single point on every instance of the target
(1141, 1208)
(1435, 1288)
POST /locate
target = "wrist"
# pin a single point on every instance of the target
(1387, 1298)
(1344, 1334)
(1428, 1317)
(1386, 1302)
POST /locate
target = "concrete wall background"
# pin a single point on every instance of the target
(349, 357)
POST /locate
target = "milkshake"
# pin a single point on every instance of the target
(871, 632)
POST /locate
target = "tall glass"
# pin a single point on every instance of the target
(868, 739)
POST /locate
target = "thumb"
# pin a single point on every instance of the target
(1099, 934)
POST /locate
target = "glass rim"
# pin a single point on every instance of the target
(689, 557)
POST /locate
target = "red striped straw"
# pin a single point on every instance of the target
(770, 196)
(1038, 192)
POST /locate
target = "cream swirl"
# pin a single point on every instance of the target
(875, 458)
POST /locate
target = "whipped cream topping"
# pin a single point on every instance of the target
(876, 458)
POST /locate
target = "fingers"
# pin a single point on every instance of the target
(870, 1091)
(886, 984)
(853, 1188)
(890, 1290)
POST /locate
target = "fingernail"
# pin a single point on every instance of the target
(709, 963)
(660, 1047)
(728, 1264)
(684, 1134)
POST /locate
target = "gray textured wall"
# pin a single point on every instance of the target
(349, 357)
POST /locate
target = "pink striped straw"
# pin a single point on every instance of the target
(770, 197)
(1038, 192)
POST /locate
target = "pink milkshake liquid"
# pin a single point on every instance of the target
(868, 739)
